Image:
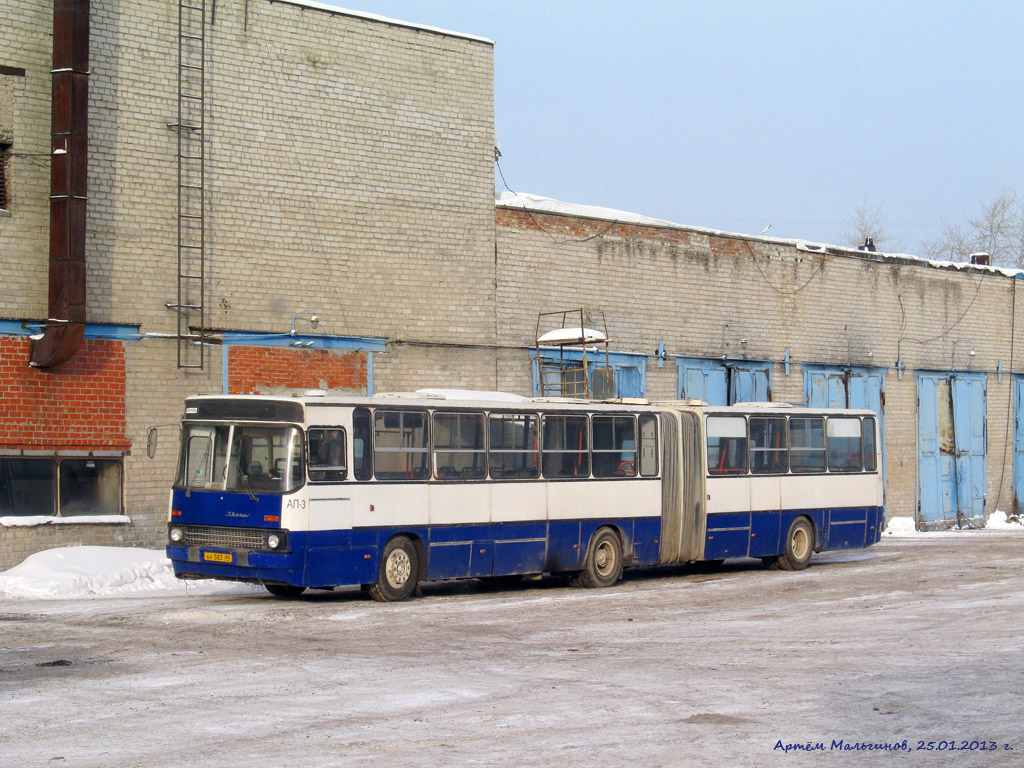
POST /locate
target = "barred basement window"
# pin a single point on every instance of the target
(5, 185)
(60, 486)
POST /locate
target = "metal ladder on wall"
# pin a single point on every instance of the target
(191, 300)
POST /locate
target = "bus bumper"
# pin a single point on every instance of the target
(213, 563)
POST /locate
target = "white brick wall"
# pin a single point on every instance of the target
(669, 285)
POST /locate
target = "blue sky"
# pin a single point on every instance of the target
(739, 114)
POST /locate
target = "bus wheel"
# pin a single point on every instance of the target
(604, 561)
(397, 575)
(799, 546)
(284, 590)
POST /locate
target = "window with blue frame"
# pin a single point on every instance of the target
(629, 369)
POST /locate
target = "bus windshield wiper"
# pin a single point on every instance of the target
(243, 473)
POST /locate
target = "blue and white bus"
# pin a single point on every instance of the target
(388, 491)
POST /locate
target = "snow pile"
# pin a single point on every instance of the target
(900, 526)
(1000, 521)
(76, 572)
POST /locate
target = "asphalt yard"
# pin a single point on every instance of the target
(915, 643)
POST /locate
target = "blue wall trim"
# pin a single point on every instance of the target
(92, 330)
(355, 343)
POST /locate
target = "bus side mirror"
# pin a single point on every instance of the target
(151, 437)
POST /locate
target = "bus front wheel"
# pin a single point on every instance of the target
(799, 546)
(603, 566)
(398, 572)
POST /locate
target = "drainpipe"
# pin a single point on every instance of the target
(65, 325)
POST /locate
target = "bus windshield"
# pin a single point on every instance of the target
(242, 458)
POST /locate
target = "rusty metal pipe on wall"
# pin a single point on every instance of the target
(68, 186)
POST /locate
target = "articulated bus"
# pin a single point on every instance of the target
(388, 491)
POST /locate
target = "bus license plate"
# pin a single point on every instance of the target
(218, 557)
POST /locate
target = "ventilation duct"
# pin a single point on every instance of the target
(68, 186)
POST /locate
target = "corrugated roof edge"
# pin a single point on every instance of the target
(381, 19)
(539, 204)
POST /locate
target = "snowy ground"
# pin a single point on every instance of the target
(920, 638)
(85, 572)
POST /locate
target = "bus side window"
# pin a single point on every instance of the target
(844, 451)
(806, 444)
(868, 444)
(614, 450)
(769, 453)
(513, 446)
(362, 455)
(648, 445)
(566, 446)
(326, 455)
(727, 445)
(401, 445)
(459, 446)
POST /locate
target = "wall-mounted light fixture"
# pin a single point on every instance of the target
(849, 348)
(971, 355)
(742, 339)
(314, 321)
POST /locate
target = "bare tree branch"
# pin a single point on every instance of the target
(997, 229)
(868, 222)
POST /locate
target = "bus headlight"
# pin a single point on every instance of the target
(273, 541)
(177, 534)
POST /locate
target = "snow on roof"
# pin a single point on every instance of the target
(548, 205)
(540, 204)
(382, 19)
(30, 521)
(562, 336)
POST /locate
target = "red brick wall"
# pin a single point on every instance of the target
(258, 368)
(79, 405)
(730, 245)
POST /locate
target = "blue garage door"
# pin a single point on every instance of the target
(951, 437)
(1018, 443)
(828, 386)
(719, 382)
